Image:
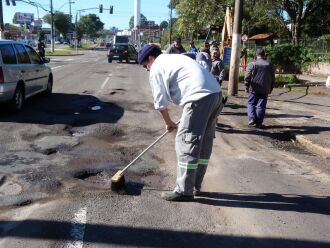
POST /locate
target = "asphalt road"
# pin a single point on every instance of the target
(58, 155)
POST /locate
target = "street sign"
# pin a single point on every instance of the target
(226, 55)
(244, 38)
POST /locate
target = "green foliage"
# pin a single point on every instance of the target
(91, 25)
(289, 58)
(143, 21)
(163, 25)
(194, 17)
(41, 34)
(281, 80)
(61, 22)
(325, 37)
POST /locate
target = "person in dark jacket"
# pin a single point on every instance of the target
(41, 48)
(217, 68)
(259, 81)
(176, 47)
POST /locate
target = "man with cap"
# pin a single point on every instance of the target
(259, 81)
(176, 47)
(181, 80)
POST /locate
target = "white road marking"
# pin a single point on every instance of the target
(78, 229)
(56, 67)
(105, 83)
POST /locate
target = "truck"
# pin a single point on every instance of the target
(120, 39)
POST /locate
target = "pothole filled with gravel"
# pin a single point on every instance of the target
(287, 141)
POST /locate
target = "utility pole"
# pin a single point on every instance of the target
(70, 12)
(52, 26)
(137, 22)
(171, 11)
(2, 25)
(235, 53)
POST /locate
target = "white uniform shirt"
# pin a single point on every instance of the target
(180, 79)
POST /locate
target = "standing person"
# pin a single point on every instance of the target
(259, 81)
(181, 80)
(204, 59)
(41, 48)
(217, 68)
(243, 57)
(176, 47)
(193, 49)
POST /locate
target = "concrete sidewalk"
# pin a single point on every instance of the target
(310, 78)
(291, 116)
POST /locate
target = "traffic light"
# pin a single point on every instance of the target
(7, 2)
(101, 8)
(111, 9)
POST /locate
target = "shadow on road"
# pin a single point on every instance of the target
(278, 116)
(143, 237)
(269, 201)
(70, 109)
(274, 131)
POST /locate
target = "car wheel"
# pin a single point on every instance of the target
(17, 102)
(49, 88)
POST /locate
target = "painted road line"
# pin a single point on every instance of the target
(105, 83)
(77, 231)
(56, 67)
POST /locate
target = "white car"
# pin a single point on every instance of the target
(23, 73)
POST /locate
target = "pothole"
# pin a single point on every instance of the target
(153, 180)
(102, 131)
(102, 180)
(287, 141)
(22, 199)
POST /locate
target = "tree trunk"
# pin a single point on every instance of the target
(297, 22)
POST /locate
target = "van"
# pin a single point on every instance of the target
(23, 73)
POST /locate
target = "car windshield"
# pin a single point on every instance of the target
(119, 47)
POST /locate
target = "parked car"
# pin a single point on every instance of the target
(23, 73)
(122, 51)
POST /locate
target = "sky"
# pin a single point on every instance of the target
(123, 10)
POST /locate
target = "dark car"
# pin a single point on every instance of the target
(122, 52)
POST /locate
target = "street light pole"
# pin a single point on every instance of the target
(52, 26)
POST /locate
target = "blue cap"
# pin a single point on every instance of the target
(145, 51)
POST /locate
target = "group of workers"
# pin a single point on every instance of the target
(189, 83)
(208, 56)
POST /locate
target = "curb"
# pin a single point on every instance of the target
(315, 148)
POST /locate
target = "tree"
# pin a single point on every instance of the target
(194, 17)
(143, 21)
(298, 12)
(317, 24)
(261, 17)
(61, 22)
(91, 25)
(163, 24)
(41, 34)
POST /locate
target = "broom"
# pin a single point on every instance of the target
(118, 179)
